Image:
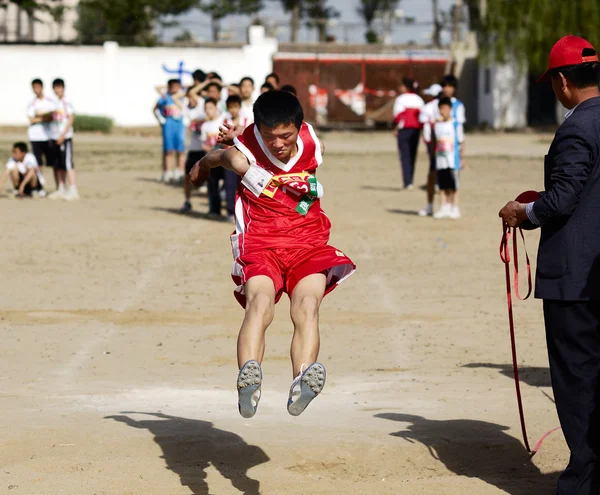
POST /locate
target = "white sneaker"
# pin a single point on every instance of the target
(427, 211)
(455, 213)
(443, 212)
(305, 387)
(58, 194)
(72, 194)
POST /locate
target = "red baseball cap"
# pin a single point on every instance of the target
(567, 51)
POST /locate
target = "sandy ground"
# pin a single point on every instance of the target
(118, 328)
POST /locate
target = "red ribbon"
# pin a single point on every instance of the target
(507, 232)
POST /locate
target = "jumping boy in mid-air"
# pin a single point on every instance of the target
(280, 243)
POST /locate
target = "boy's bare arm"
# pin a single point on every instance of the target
(230, 159)
(26, 180)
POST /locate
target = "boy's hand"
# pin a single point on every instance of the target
(60, 141)
(227, 133)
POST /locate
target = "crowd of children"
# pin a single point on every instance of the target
(50, 134)
(441, 121)
(202, 109)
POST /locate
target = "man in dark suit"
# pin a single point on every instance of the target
(568, 275)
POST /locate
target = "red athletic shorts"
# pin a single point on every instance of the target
(286, 267)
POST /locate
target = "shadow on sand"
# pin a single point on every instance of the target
(531, 375)
(190, 446)
(477, 449)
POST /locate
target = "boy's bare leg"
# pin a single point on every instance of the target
(305, 304)
(187, 187)
(181, 163)
(14, 177)
(170, 161)
(260, 309)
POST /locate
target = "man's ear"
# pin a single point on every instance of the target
(563, 81)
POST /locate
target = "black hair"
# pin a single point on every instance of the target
(214, 75)
(246, 79)
(275, 108)
(58, 82)
(37, 81)
(235, 85)
(210, 100)
(409, 83)
(582, 75)
(213, 85)
(234, 99)
(268, 86)
(199, 75)
(21, 146)
(444, 100)
(173, 81)
(274, 76)
(289, 88)
(449, 80)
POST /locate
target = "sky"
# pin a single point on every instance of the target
(348, 28)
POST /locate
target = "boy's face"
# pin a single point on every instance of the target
(280, 140)
(273, 82)
(445, 111)
(448, 91)
(234, 109)
(211, 110)
(214, 93)
(18, 155)
(174, 88)
(38, 89)
(246, 89)
(59, 91)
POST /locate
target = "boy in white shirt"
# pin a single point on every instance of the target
(41, 116)
(64, 117)
(449, 134)
(24, 172)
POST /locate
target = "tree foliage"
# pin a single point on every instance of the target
(527, 29)
(370, 9)
(130, 22)
(219, 9)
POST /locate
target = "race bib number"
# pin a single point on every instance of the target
(256, 179)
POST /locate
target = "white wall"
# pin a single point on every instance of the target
(504, 106)
(119, 82)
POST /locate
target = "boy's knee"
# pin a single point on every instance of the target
(305, 308)
(260, 304)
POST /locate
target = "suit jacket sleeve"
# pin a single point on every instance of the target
(572, 161)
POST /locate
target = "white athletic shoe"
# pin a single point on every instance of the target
(58, 194)
(443, 212)
(305, 387)
(427, 211)
(248, 385)
(72, 194)
(455, 213)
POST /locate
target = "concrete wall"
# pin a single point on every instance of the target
(119, 82)
(502, 91)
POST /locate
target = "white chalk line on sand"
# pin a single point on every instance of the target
(68, 371)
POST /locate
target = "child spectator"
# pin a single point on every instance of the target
(40, 113)
(289, 88)
(233, 117)
(24, 172)
(247, 95)
(266, 87)
(197, 116)
(273, 80)
(171, 107)
(64, 117)
(448, 134)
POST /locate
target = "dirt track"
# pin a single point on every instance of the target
(118, 326)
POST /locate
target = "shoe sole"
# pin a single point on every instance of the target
(249, 381)
(311, 385)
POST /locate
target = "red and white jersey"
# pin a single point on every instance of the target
(263, 222)
(407, 108)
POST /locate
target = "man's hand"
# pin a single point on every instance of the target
(514, 213)
(227, 133)
(199, 173)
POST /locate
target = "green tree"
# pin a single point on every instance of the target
(370, 9)
(319, 14)
(130, 22)
(184, 37)
(219, 9)
(30, 7)
(294, 8)
(527, 29)
(58, 12)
